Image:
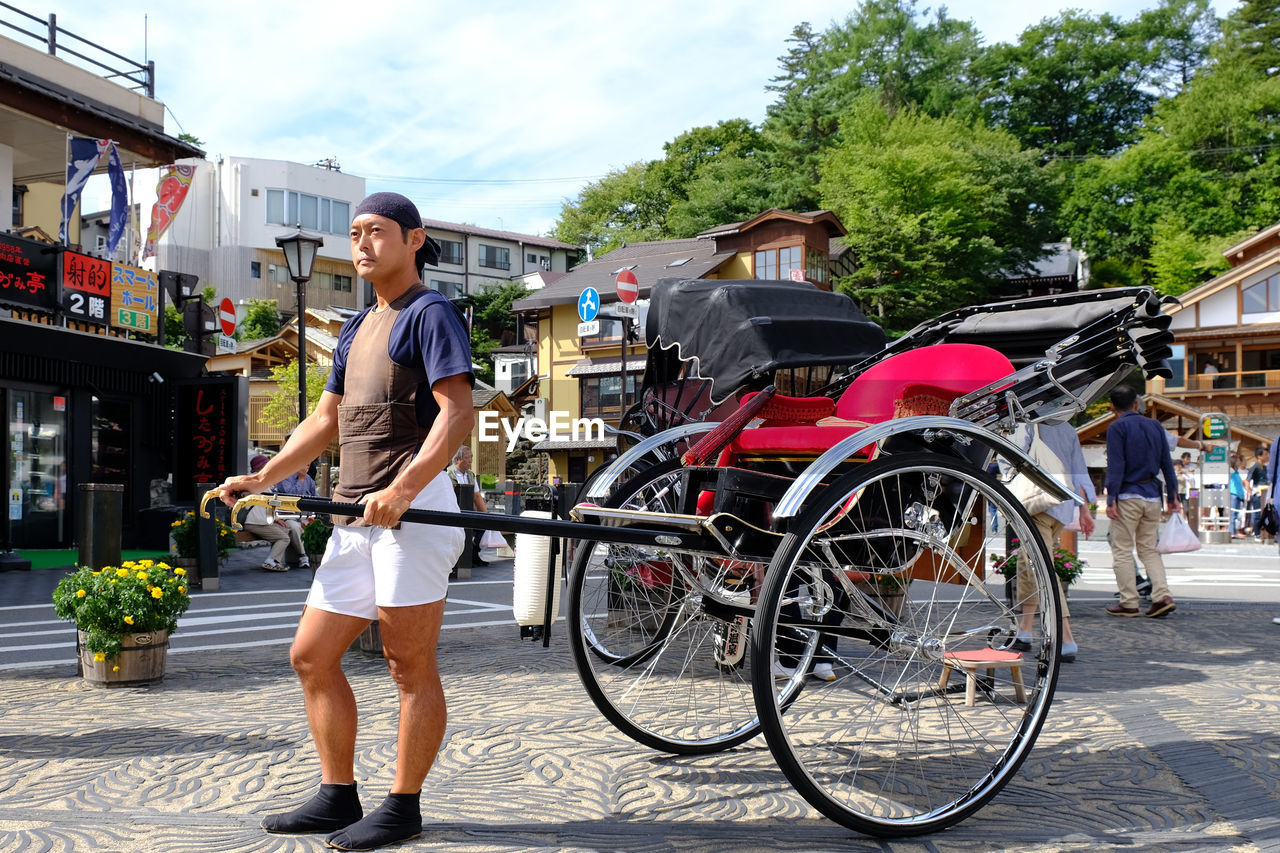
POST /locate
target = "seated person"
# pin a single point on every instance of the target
(282, 534)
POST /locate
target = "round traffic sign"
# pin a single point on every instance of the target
(628, 286)
(227, 316)
(588, 304)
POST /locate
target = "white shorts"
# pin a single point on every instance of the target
(365, 568)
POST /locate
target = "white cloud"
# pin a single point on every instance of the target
(481, 90)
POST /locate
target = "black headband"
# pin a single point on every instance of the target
(400, 210)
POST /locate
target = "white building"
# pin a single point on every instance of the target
(471, 257)
(225, 231)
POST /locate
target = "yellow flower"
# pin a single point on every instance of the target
(162, 566)
(115, 668)
(177, 523)
(146, 564)
(182, 589)
(80, 593)
(157, 592)
(99, 656)
(128, 564)
(141, 576)
(179, 571)
(122, 573)
(128, 620)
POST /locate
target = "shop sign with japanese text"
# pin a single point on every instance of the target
(28, 273)
(86, 287)
(212, 427)
(135, 299)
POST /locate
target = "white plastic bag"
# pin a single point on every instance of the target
(492, 539)
(1177, 536)
(1032, 497)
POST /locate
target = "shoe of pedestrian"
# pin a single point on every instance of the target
(1068, 653)
(1020, 646)
(823, 672)
(780, 671)
(274, 566)
(1163, 607)
(1117, 610)
(1276, 621)
(304, 563)
(1144, 588)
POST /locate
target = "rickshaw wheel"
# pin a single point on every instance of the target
(891, 746)
(658, 638)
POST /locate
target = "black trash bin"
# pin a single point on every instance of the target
(98, 531)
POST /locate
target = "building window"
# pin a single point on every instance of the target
(450, 251)
(255, 269)
(322, 280)
(530, 258)
(1263, 296)
(19, 190)
(815, 266)
(777, 264)
(599, 394)
(279, 272)
(315, 213)
(495, 257)
(610, 334)
(342, 283)
(448, 289)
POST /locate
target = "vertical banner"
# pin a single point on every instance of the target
(83, 157)
(211, 440)
(119, 201)
(171, 192)
(135, 299)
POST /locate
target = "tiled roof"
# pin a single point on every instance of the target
(650, 261)
(834, 226)
(509, 236)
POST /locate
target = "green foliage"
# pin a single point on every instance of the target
(281, 410)
(175, 335)
(138, 597)
(1253, 36)
(619, 208)
(1179, 261)
(315, 535)
(261, 320)
(936, 209)
(492, 321)
(183, 531)
(1108, 272)
(1067, 565)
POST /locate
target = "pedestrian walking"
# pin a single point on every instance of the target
(1238, 484)
(399, 400)
(1063, 441)
(1137, 454)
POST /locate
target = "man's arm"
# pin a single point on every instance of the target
(306, 442)
(451, 427)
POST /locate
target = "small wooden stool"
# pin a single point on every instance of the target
(987, 659)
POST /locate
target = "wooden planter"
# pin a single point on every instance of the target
(141, 661)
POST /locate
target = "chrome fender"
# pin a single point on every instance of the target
(603, 484)
(966, 431)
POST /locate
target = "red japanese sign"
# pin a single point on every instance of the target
(86, 287)
(28, 273)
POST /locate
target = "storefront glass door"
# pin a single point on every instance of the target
(37, 468)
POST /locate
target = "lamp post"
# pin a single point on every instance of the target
(300, 255)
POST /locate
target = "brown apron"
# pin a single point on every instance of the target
(378, 428)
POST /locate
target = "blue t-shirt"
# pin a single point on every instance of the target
(429, 333)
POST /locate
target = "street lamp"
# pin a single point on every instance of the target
(300, 255)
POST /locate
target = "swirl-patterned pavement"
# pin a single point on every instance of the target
(1163, 736)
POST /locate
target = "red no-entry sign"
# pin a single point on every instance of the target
(227, 316)
(628, 286)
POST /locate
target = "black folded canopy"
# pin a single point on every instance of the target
(734, 331)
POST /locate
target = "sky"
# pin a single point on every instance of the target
(490, 113)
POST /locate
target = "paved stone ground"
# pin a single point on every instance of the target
(1163, 736)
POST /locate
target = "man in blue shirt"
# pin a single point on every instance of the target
(1137, 454)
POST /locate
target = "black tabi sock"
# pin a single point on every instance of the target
(333, 807)
(397, 819)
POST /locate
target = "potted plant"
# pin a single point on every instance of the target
(315, 536)
(1066, 564)
(124, 616)
(183, 532)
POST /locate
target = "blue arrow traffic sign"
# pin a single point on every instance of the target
(588, 305)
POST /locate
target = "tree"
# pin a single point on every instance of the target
(281, 410)
(938, 210)
(261, 320)
(1253, 36)
(619, 208)
(1180, 34)
(492, 322)
(1073, 85)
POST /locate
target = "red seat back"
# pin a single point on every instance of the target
(952, 369)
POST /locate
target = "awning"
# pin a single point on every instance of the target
(553, 444)
(600, 367)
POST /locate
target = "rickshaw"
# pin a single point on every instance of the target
(746, 540)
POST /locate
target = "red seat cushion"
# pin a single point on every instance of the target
(949, 370)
